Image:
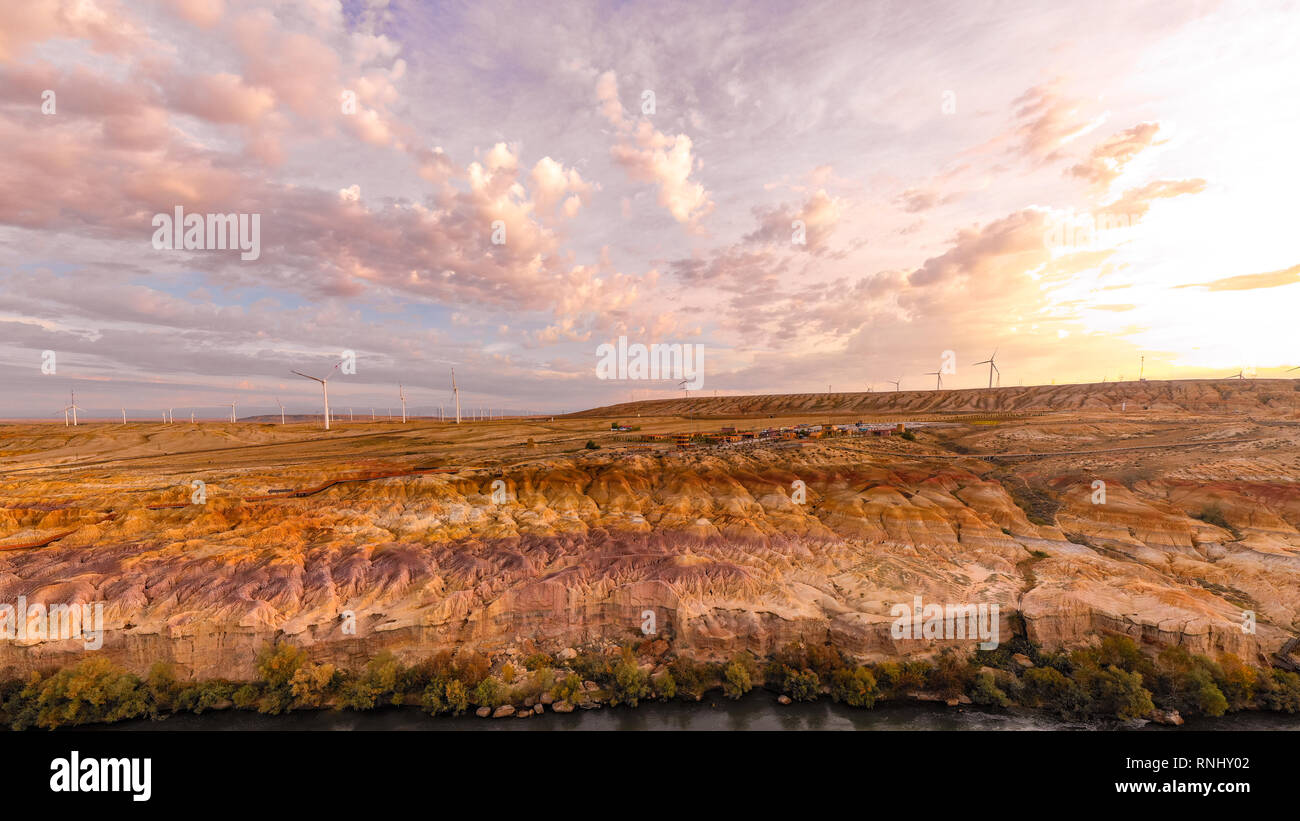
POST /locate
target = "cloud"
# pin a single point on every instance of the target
(819, 215)
(1013, 243)
(1049, 119)
(648, 155)
(1250, 282)
(1135, 202)
(1107, 160)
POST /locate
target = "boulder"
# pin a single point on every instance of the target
(562, 707)
(504, 711)
(483, 712)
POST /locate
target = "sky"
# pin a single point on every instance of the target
(821, 195)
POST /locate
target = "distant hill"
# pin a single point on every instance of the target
(1267, 396)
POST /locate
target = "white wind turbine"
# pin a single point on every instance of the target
(123, 416)
(232, 409)
(895, 382)
(281, 404)
(992, 366)
(72, 406)
(455, 392)
(402, 395)
(325, 388)
(938, 383)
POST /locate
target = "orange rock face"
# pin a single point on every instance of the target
(725, 548)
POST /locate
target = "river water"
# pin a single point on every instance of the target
(758, 711)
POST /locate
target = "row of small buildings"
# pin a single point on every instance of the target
(732, 436)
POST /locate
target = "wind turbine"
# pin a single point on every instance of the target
(281, 404)
(1238, 375)
(232, 409)
(403, 398)
(895, 382)
(71, 407)
(685, 389)
(938, 383)
(191, 417)
(325, 388)
(992, 367)
(349, 414)
(123, 416)
(455, 391)
(170, 417)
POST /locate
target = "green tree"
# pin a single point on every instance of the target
(737, 676)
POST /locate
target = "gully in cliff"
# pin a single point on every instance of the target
(54, 622)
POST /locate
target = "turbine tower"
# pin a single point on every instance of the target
(992, 366)
(232, 409)
(938, 382)
(402, 396)
(324, 387)
(455, 391)
(72, 406)
(895, 382)
(281, 404)
(123, 416)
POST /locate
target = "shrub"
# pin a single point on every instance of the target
(311, 684)
(245, 697)
(537, 661)
(631, 683)
(489, 693)
(666, 686)
(986, 691)
(950, 676)
(568, 688)
(737, 676)
(276, 666)
(691, 678)
(1047, 687)
(856, 687)
(94, 690)
(445, 696)
(1280, 690)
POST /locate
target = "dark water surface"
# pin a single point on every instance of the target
(755, 712)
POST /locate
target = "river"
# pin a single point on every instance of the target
(758, 711)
